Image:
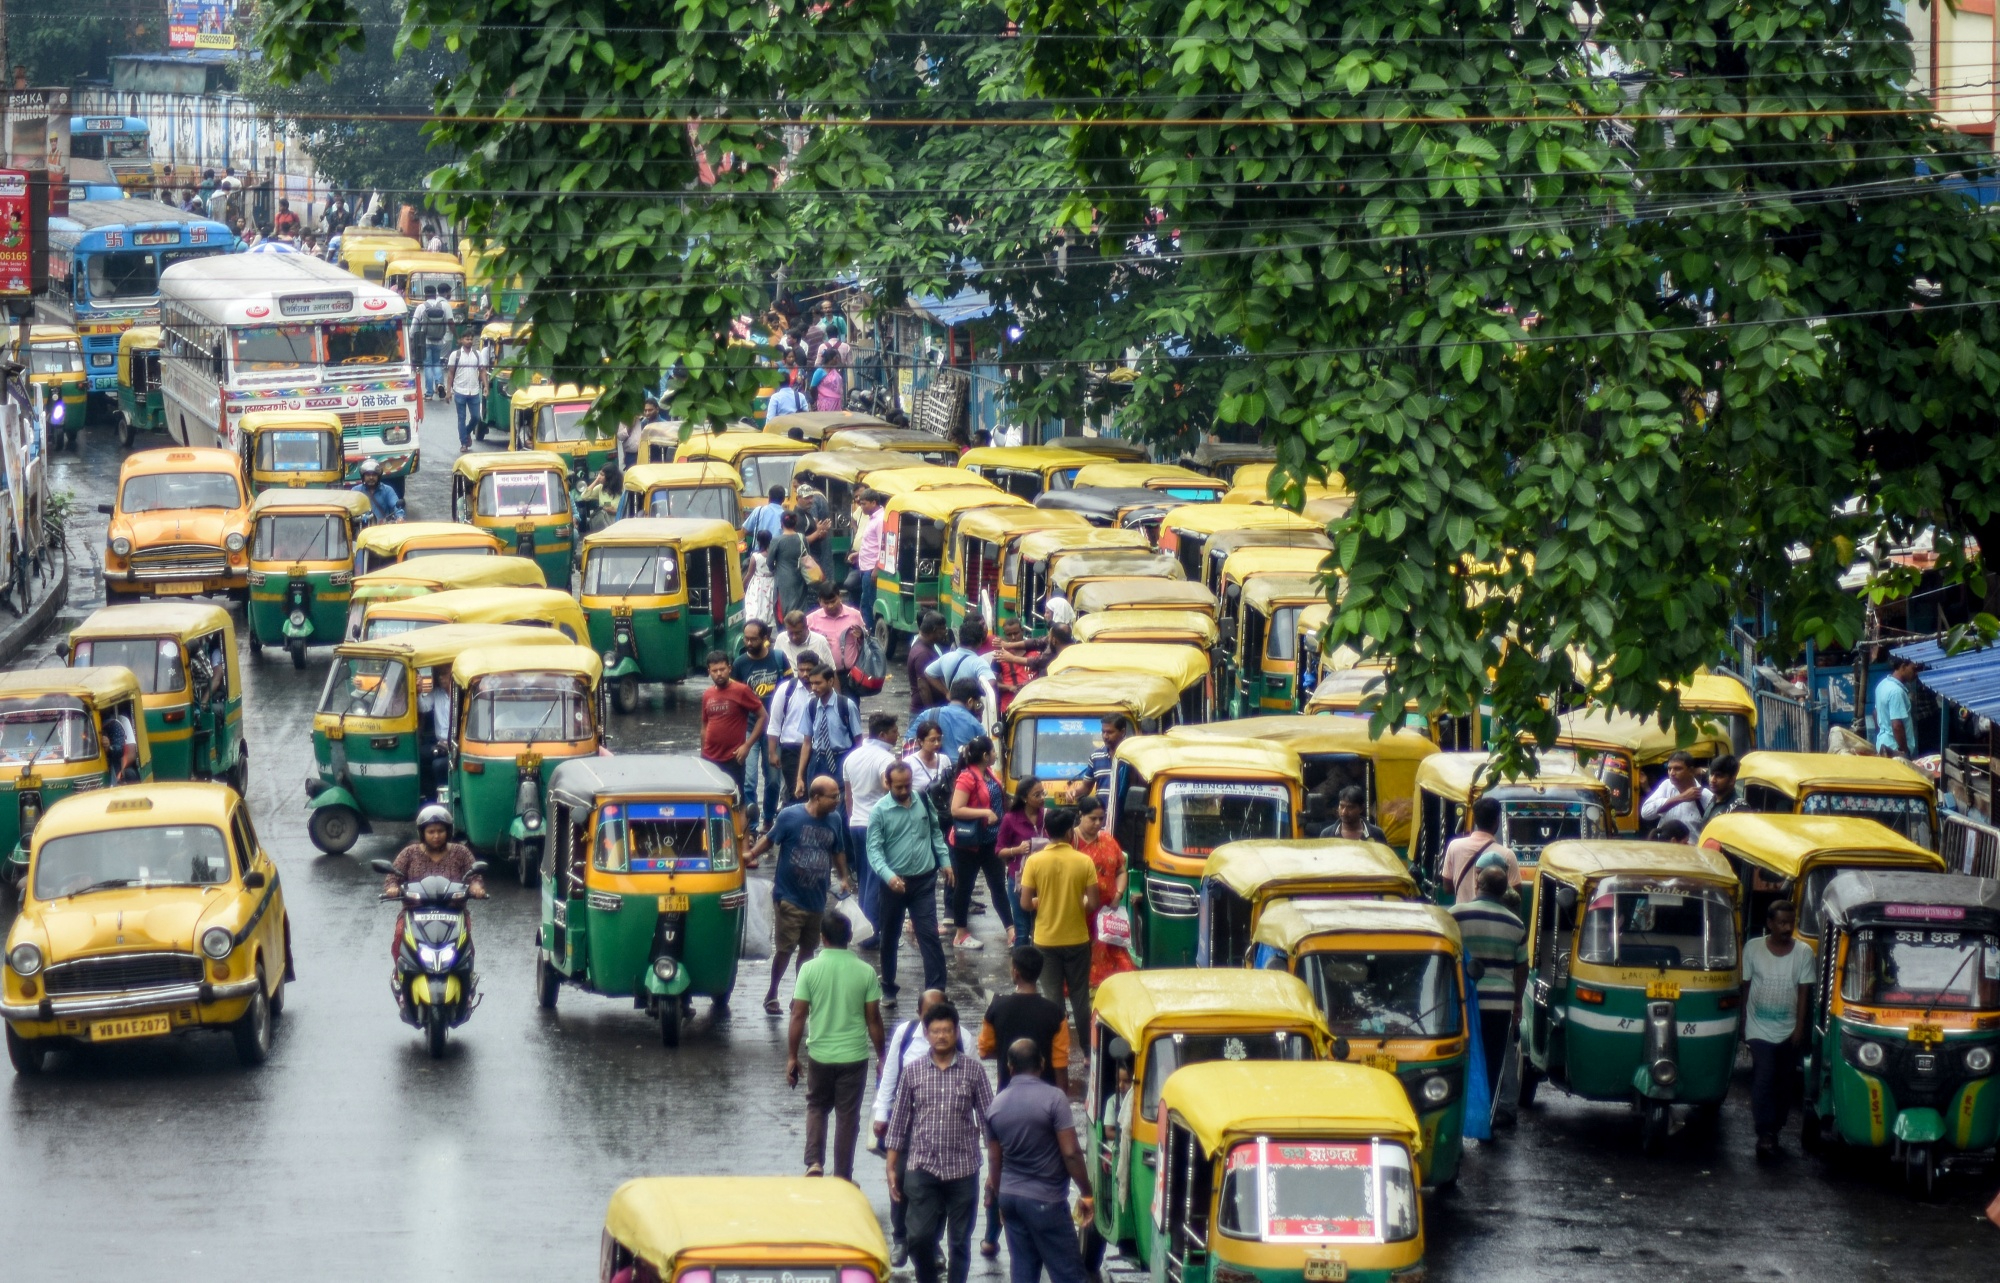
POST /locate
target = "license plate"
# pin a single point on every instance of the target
(1323, 1267)
(1922, 1031)
(131, 1027)
(673, 904)
(1382, 1060)
(178, 587)
(1663, 989)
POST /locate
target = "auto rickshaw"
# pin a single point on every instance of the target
(815, 425)
(520, 715)
(1630, 754)
(522, 607)
(366, 251)
(1905, 1022)
(506, 346)
(1224, 544)
(1154, 1023)
(551, 417)
(1244, 879)
(375, 734)
(642, 890)
(984, 570)
(291, 449)
(1227, 459)
(416, 276)
(659, 594)
(685, 1228)
(1115, 449)
(1343, 685)
(52, 743)
(380, 547)
(1169, 479)
(1251, 483)
(1257, 663)
(910, 579)
(1170, 627)
(1174, 803)
(761, 459)
(1876, 788)
(1056, 723)
(436, 574)
(1184, 666)
(1074, 569)
(1335, 752)
(1634, 984)
(522, 498)
(1560, 803)
(927, 446)
(302, 567)
(1288, 1172)
(141, 405)
(1026, 470)
(1114, 508)
(1795, 858)
(1185, 531)
(841, 475)
(184, 654)
(704, 491)
(54, 361)
(1244, 564)
(1142, 594)
(1037, 550)
(1390, 979)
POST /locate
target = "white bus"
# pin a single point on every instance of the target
(251, 332)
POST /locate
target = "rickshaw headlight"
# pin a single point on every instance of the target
(26, 959)
(298, 617)
(122, 546)
(1978, 1060)
(216, 942)
(1665, 1072)
(1436, 1090)
(234, 542)
(665, 968)
(1869, 1055)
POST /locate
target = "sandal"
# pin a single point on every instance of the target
(771, 1007)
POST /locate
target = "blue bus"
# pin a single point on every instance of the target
(113, 149)
(105, 260)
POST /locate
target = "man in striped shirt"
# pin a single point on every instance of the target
(1494, 935)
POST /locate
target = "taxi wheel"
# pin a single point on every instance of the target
(27, 1054)
(670, 1022)
(625, 694)
(253, 1031)
(333, 829)
(547, 982)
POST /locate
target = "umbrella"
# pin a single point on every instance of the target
(273, 247)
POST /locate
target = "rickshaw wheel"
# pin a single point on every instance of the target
(256, 647)
(670, 1022)
(1811, 1139)
(1920, 1171)
(238, 774)
(1528, 1079)
(885, 637)
(333, 829)
(625, 694)
(124, 430)
(297, 646)
(527, 861)
(547, 983)
(1653, 1127)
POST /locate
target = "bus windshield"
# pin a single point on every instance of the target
(269, 348)
(167, 491)
(123, 276)
(364, 342)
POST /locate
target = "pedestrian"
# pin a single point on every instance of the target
(1723, 799)
(863, 784)
(763, 670)
(868, 550)
(732, 721)
(1679, 795)
(1014, 659)
(797, 639)
(922, 651)
(831, 729)
(468, 371)
(1056, 609)
(959, 719)
(1111, 733)
(975, 833)
(1462, 854)
(1107, 957)
(1351, 818)
(965, 661)
(767, 517)
(1895, 725)
(837, 1012)
(1021, 835)
(286, 224)
(934, 1138)
(1032, 1156)
(839, 625)
(815, 523)
(433, 327)
(1024, 1012)
(907, 854)
(906, 1046)
(601, 495)
(831, 390)
(1495, 937)
(786, 568)
(382, 500)
(1059, 885)
(928, 763)
(811, 842)
(1777, 994)
(760, 589)
(786, 399)
(785, 736)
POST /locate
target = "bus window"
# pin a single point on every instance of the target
(121, 276)
(364, 342)
(263, 348)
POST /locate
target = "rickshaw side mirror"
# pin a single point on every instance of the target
(1475, 968)
(62, 649)
(1135, 803)
(1340, 1049)
(1120, 1049)
(1566, 897)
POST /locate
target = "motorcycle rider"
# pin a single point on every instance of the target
(381, 495)
(436, 854)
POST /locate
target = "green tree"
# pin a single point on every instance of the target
(60, 46)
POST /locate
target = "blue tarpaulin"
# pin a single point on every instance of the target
(1969, 679)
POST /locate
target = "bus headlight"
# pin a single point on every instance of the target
(397, 435)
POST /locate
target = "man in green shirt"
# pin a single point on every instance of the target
(907, 852)
(837, 1011)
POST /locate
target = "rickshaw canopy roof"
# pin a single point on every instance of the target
(352, 502)
(505, 329)
(1257, 476)
(549, 393)
(942, 505)
(391, 538)
(993, 525)
(1138, 695)
(1100, 447)
(904, 440)
(583, 782)
(1026, 458)
(1189, 627)
(658, 1218)
(1245, 866)
(152, 619)
(1262, 559)
(1230, 454)
(474, 466)
(1863, 896)
(1155, 755)
(141, 336)
(573, 661)
(1138, 1003)
(1312, 735)
(1795, 772)
(458, 570)
(643, 477)
(111, 684)
(734, 444)
(1644, 738)
(1110, 594)
(1459, 776)
(1227, 542)
(1222, 1101)
(1574, 862)
(1720, 694)
(930, 476)
(1213, 518)
(815, 424)
(1259, 494)
(1184, 666)
(1325, 510)
(1315, 617)
(1286, 924)
(429, 647)
(852, 466)
(1114, 563)
(424, 260)
(1108, 502)
(1039, 545)
(1266, 593)
(1144, 476)
(493, 604)
(682, 532)
(182, 802)
(1787, 844)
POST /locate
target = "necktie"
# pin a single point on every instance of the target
(822, 732)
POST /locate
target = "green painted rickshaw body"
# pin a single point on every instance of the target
(326, 620)
(1866, 1110)
(612, 955)
(1443, 1129)
(1129, 1221)
(903, 604)
(661, 641)
(1603, 1044)
(145, 414)
(554, 551)
(482, 802)
(383, 775)
(1162, 941)
(52, 791)
(200, 745)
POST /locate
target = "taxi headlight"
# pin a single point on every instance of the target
(234, 543)
(1436, 1090)
(26, 959)
(1978, 1060)
(1869, 1055)
(216, 942)
(665, 968)
(122, 546)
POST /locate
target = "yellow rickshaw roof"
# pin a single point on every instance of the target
(51, 334)
(1644, 738)
(1185, 666)
(733, 445)
(1140, 476)
(473, 605)
(889, 437)
(482, 661)
(159, 618)
(852, 465)
(1109, 594)
(351, 502)
(474, 466)
(1314, 735)
(1245, 866)
(1027, 458)
(182, 458)
(459, 570)
(504, 329)
(1187, 626)
(1288, 922)
(1315, 617)
(1221, 1101)
(548, 393)
(140, 336)
(270, 420)
(943, 505)
(107, 685)
(1115, 563)
(930, 476)
(991, 525)
(816, 424)
(1453, 775)
(1792, 772)
(1576, 861)
(1326, 510)
(182, 802)
(1134, 1002)
(1257, 495)
(1266, 593)
(1260, 559)
(1213, 518)
(1718, 693)
(682, 532)
(392, 537)
(1257, 476)
(419, 259)
(681, 476)
(1140, 695)
(1153, 755)
(1786, 844)
(660, 1217)
(1038, 546)
(429, 647)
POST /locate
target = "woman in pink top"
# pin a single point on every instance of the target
(831, 394)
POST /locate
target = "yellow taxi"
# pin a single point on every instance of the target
(180, 526)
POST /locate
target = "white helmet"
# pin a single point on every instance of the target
(435, 813)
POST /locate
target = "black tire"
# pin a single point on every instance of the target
(124, 431)
(238, 775)
(625, 694)
(435, 1028)
(527, 860)
(256, 647)
(1529, 1080)
(253, 1031)
(670, 1022)
(1812, 1139)
(28, 1055)
(548, 982)
(1655, 1121)
(333, 829)
(297, 646)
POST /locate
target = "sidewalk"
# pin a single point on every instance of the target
(20, 632)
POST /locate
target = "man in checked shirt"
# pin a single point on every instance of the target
(936, 1134)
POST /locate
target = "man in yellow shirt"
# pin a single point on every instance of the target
(1059, 886)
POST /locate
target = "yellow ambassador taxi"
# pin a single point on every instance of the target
(180, 526)
(148, 910)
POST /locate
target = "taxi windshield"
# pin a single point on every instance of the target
(46, 728)
(1171, 1051)
(1197, 816)
(1279, 1190)
(155, 661)
(365, 686)
(298, 450)
(301, 536)
(1922, 967)
(1405, 994)
(523, 708)
(1909, 816)
(633, 572)
(1637, 921)
(172, 491)
(715, 502)
(522, 494)
(562, 421)
(154, 855)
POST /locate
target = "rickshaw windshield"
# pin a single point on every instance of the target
(363, 686)
(155, 661)
(156, 855)
(301, 536)
(1054, 748)
(1528, 825)
(298, 450)
(1922, 967)
(1637, 921)
(1284, 634)
(383, 627)
(762, 471)
(46, 728)
(563, 422)
(66, 359)
(1197, 816)
(1171, 1051)
(717, 503)
(665, 837)
(521, 494)
(1318, 1191)
(171, 491)
(480, 550)
(1405, 994)
(450, 281)
(523, 708)
(633, 572)
(1909, 816)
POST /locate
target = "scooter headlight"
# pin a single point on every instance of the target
(437, 957)
(1869, 1055)
(234, 543)
(216, 942)
(26, 959)
(1978, 1060)
(665, 968)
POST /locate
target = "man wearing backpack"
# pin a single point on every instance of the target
(467, 371)
(433, 326)
(832, 729)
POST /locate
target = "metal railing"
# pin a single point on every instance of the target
(1969, 846)
(1790, 725)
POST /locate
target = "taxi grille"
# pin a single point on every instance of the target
(180, 561)
(124, 974)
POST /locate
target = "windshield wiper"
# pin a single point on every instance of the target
(109, 884)
(1962, 964)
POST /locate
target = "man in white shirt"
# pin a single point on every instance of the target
(798, 639)
(1679, 796)
(906, 1046)
(467, 371)
(785, 733)
(863, 786)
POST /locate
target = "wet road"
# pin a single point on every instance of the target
(352, 1155)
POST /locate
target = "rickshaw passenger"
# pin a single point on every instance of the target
(1679, 796)
(602, 491)
(433, 726)
(121, 744)
(1351, 818)
(380, 497)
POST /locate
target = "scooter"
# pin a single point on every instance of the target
(435, 986)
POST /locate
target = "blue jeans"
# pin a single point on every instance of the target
(433, 368)
(468, 417)
(867, 603)
(1040, 1236)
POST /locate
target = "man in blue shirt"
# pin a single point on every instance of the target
(770, 518)
(963, 660)
(811, 839)
(380, 497)
(958, 721)
(1895, 729)
(1114, 729)
(786, 400)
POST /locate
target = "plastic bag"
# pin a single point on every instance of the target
(759, 922)
(1114, 926)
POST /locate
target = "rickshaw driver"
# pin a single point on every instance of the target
(435, 855)
(434, 727)
(120, 745)
(383, 499)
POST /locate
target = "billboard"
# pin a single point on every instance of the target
(17, 235)
(201, 24)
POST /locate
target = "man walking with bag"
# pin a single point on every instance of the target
(907, 854)
(467, 372)
(837, 1011)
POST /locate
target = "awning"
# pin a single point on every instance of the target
(1969, 679)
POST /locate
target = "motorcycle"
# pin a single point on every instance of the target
(435, 986)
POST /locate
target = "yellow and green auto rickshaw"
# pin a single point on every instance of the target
(52, 743)
(506, 346)
(1561, 802)
(642, 890)
(1151, 1024)
(142, 406)
(1077, 567)
(1875, 788)
(761, 459)
(983, 566)
(659, 442)
(660, 593)
(929, 476)
(380, 547)
(521, 497)
(705, 491)
(383, 725)
(1039, 549)
(419, 274)
(184, 655)
(1056, 724)
(816, 425)
(692, 1229)
(930, 448)
(521, 714)
(1244, 878)
(1169, 479)
(54, 362)
(1634, 986)
(1390, 979)
(1141, 594)
(1184, 666)
(523, 607)
(910, 579)
(1905, 1023)
(1026, 470)
(1175, 802)
(1227, 459)
(291, 449)
(1224, 544)
(1168, 627)
(552, 418)
(1630, 754)
(1341, 684)
(436, 574)
(302, 567)
(1186, 530)
(1288, 1172)
(1795, 857)
(1257, 664)
(366, 251)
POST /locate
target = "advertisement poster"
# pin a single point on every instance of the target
(38, 138)
(201, 24)
(16, 235)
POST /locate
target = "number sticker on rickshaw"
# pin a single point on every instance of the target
(1325, 1267)
(1382, 1060)
(786, 1275)
(1663, 990)
(673, 904)
(1926, 1031)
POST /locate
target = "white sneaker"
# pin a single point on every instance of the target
(970, 942)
